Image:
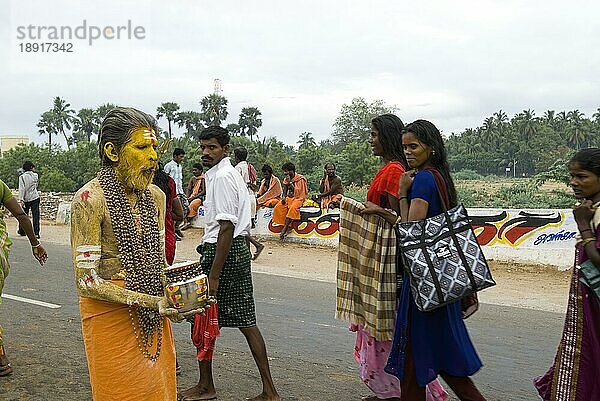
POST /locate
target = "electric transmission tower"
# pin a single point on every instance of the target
(218, 87)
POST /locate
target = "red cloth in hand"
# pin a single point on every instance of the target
(205, 333)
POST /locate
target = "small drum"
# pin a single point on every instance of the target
(187, 286)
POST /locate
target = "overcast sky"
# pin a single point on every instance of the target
(452, 62)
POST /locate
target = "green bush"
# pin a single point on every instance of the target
(355, 192)
(467, 175)
(56, 181)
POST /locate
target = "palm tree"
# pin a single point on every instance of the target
(249, 121)
(167, 110)
(47, 127)
(263, 148)
(596, 117)
(214, 109)
(489, 133)
(102, 110)
(529, 124)
(306, 140)
(577, 136)
(192, 121)
(63, 117)
(85, 125)
(234, 129)
(500, 117)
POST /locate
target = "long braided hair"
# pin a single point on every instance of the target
(390, 127)
(428, 134)
(136, 228)
(267, 168)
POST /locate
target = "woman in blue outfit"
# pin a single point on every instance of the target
(428, 344)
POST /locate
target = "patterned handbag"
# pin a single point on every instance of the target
(443, 259)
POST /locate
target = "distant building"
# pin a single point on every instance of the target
(8, 142)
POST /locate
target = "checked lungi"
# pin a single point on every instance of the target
(234, 295)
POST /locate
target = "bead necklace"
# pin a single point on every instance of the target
(139, 252)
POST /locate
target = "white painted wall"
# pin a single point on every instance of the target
(538, 236)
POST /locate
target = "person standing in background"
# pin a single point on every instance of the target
(173, 168)
(248, 173)
(29, 197)
(173, 211)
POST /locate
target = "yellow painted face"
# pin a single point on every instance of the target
(138, 159)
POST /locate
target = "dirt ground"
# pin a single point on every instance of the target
(528, 286)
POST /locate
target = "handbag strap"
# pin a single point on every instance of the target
(444, 202)
(439, 180)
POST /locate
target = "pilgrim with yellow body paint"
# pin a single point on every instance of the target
(117, 237)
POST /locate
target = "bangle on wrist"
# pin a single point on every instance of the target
(586, 229)
(37, 246)
(586, 241)
(403, 197)
(398, 221)
(392, 211)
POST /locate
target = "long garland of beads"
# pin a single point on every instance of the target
(140, 254)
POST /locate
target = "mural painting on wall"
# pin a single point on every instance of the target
(313, 221)
(511, 228)
(492, 227)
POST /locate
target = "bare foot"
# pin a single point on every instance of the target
(285, 233)
(265, 397)
(259, 249)
(5, 367)
(196, 393)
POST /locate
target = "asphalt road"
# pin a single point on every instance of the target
(310, 351)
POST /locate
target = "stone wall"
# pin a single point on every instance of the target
(49, 202)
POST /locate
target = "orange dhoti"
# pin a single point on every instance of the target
(270, 203)
(290, 210)
(194, 206)
(118, 369)
(325, 201)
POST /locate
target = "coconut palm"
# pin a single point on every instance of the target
(577, 134)
(167, 110)
(102, 110)
(63, 117)
(529, 125)
(85, 125)
(306, 140)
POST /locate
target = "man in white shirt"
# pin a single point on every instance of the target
(173, 168)
(226, 258)
(29, 195)
(248, 173)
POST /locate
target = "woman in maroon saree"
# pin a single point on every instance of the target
(575, 373)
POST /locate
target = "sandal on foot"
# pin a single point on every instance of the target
(5, 370)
